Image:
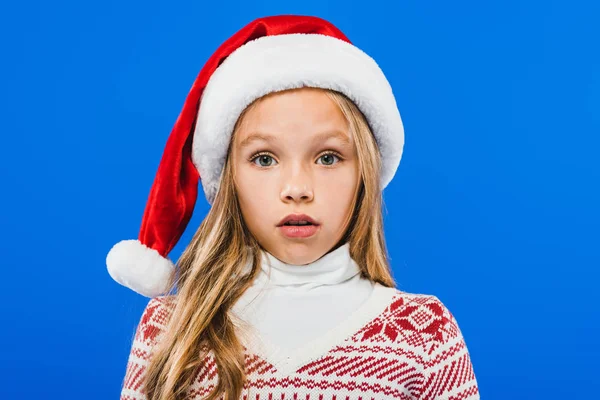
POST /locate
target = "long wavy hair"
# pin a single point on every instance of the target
(212, 276)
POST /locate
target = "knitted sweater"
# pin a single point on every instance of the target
(396, 345)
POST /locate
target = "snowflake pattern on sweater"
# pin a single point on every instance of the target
(411, 349)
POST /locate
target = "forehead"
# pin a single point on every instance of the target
(297, 114)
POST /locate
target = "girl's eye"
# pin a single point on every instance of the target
(266, 160)
(328, 159)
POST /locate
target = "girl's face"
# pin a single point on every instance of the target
(293, 153)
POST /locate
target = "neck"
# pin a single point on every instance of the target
(333, 268)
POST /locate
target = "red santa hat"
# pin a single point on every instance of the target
(268, 55)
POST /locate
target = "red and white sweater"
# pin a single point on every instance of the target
(396, 345)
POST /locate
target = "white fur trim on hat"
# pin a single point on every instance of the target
(139, 268)
(275, 63)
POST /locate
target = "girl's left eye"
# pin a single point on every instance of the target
(328, 158)
(268, 159)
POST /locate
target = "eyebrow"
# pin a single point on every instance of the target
(257, 136)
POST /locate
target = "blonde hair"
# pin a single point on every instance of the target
(211, 276)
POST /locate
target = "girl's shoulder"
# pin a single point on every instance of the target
(159, 307)
(400, 299)
(409, 316)
(154, 319)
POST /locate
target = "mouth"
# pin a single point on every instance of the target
(298, 226)
(297, 220)
(298, 231)
(297, 223)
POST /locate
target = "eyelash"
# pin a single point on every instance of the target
(266, 153)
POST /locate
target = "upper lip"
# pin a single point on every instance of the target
(297, 217)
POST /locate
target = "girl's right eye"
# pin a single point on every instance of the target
(264, 160)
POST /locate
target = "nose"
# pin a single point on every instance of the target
(297, 186)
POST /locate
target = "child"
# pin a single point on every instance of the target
(285, 291)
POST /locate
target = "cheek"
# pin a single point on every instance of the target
(336, 192)
(340, 183)
(339, 193)
(253, 192)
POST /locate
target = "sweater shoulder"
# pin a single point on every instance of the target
(414, 319)
(154, 319)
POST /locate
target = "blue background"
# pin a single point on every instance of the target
(494, 209)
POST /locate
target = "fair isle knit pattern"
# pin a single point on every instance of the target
(412, 348)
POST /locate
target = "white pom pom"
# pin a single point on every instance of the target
(139, 268)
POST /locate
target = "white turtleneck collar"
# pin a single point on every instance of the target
(288, 305)
(334, 267)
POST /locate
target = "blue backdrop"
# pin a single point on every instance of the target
(494, 209)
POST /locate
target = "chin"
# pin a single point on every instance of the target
(299, 253)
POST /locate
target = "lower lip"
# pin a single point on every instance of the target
(299, 231)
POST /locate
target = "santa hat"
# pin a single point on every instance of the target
(268, 55)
